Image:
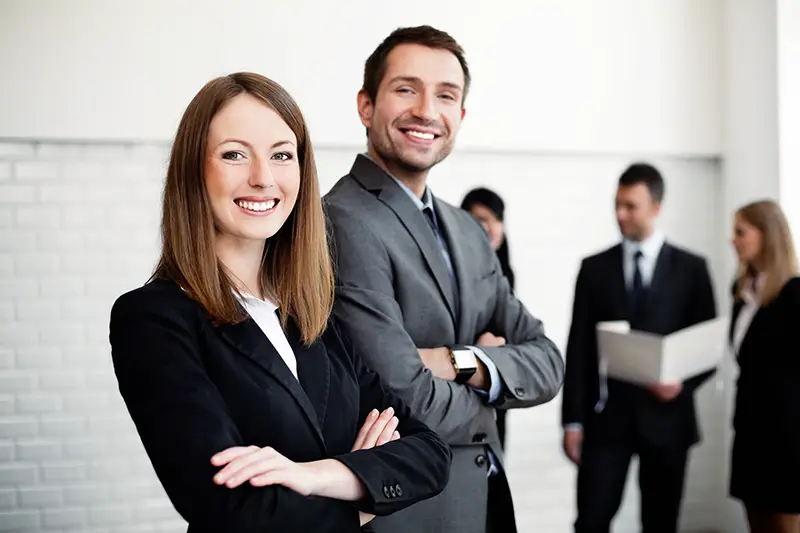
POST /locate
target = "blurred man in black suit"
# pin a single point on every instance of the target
(659, 288)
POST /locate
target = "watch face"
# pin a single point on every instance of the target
(465, 359)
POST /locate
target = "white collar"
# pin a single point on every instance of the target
(650, 247)
(252, 300)
(751, 292)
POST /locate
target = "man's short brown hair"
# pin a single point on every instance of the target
(375, 66)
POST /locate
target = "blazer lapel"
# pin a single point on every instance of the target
(313, 369)
(374, 179)
(248, 339)
(449, 227)
(618, 287)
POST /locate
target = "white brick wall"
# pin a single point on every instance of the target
(79, 226)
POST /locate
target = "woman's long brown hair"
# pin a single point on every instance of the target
(296, 267)
(777, 248)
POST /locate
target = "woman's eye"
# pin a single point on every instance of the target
(283, 156)
(233, 156)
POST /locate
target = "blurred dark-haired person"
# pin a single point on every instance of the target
(420, 290)
(254, 409)
(765, 338)
(659, 288)
(488, 208)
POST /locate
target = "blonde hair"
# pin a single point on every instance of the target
(777, 253)
(297, 268)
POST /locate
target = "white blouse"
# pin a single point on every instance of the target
(751, 296)
(264, 314)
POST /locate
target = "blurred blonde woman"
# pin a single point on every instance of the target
(765, 337)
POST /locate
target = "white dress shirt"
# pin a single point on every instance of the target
(263, 312)
(650, 248)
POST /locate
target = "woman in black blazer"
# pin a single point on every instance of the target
(253, 408)
(765, 336)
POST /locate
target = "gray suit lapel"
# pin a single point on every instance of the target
(374, 179)
(449, 225)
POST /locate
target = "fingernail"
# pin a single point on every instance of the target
(391, 410)
(373, 413)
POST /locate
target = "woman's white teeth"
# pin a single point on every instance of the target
(256, 206)
(420, 135)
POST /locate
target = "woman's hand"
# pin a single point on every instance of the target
(261, 467)
(265, 466)
(377, 430)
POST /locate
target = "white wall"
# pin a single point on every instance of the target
(573, 75)
(788, 51)
(565, 95)
(68, 453)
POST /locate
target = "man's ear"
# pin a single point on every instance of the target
(463, 112)
(657, 208)
(365, 108)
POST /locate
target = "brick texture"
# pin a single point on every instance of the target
(79, 226)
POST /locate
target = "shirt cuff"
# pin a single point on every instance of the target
(574, 425)
(495, 383)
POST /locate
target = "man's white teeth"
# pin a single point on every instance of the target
(256, 206)
(420, 135)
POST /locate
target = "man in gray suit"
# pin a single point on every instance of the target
(419, 289)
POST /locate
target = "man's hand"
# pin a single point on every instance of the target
(666, 392)
(491, 340)
(573, 442)
(438, 361)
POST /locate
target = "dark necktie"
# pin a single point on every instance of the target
(429, 218)
(637, 286)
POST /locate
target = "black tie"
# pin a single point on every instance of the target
(637, 287)
(429, 218)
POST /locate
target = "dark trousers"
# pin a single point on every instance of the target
(500, 506)
(601, 483)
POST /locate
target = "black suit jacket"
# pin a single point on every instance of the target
(193, 389)
(680, 295)
(767, 406)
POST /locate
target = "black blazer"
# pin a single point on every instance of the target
(767, 405)
(680, 295)
(193, 389)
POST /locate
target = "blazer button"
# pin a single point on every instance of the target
(519, 391)
(398, 490)
(480, 460)
(386, 492)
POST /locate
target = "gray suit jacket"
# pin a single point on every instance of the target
(394, 295)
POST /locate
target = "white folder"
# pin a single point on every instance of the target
(641, 357)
